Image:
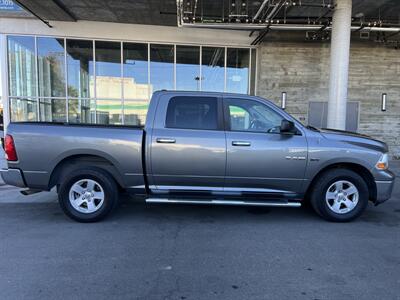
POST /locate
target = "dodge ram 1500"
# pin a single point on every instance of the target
(200, 148)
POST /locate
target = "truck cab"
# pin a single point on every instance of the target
(224, 143)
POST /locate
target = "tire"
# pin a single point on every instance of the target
(339, 195)
(88, 194)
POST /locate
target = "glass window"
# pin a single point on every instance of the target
(136, 81)
(237, 70)
(80, 68)
(253, 116)
(109, 112)
(53, 110)
(81, 110)
(161, 67)
(44, 82)
(188, 68)
(135, 112)
(21, 66)
(23, 109)
(192, 113)
(212, 69)
(108, 70)
(51, 65)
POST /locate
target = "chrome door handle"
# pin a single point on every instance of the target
(241, 143)
(166, 141)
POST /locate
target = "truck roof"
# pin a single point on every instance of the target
(203, 93)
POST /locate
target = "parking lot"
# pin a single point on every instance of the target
(188, 252)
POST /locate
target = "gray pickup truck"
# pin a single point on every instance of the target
(200, 148)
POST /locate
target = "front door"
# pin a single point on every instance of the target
(188, 150)
(259, 158)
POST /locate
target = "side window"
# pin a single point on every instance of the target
(192, 113)
(252, 116)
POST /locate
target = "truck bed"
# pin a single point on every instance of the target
(41, 147)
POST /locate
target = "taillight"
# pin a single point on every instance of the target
(9, 148)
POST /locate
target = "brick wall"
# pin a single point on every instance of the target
(302, 70)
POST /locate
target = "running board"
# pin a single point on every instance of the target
(225, 202)
(28, 192)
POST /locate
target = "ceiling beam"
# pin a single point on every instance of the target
(47, 10)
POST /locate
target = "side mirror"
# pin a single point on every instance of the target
(287, 127)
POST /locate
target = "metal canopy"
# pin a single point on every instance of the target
(155, 12)
(164, 12)
(263, 16)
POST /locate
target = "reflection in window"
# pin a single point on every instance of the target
(109, 112)
(237, 70)
(52, 110)
(21, 66)
(136, 81)
(212, 69)
(80, 68)
(135, 112)
(51, 66)
(81, 110)
(43, 77)
(162, 67)
(188, 68)
(108, 69)
(23, 110)
(239, 118)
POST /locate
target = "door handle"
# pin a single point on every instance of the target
(241, 143)
(165, 141)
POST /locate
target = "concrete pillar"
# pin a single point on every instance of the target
(4, 79)
(339, 64)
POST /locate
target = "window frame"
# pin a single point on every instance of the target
(220, 118)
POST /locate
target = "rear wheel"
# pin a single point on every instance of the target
(339, 195)
(88, 195)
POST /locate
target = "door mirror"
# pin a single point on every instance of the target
(287, 127)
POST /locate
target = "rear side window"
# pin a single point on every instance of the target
(192, 113)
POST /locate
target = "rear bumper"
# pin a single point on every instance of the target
(13, 177)
(384, 188)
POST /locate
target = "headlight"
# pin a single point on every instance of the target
(383, 162)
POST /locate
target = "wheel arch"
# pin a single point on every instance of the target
(359, 169)
(81, 160)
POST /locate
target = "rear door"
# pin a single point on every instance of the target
(188, 147)
(259, 158)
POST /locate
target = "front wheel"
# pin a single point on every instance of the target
(88, 195)
(340, 195)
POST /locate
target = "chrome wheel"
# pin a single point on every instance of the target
(86, 196)
(342, 197)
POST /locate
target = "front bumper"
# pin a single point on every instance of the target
(13, 177)
(384, 188)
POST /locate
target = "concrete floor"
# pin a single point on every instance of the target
(188, 252)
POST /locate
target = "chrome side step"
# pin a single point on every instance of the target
(225, 202)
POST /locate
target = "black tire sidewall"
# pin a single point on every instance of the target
(103, 179)
(326, 180)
